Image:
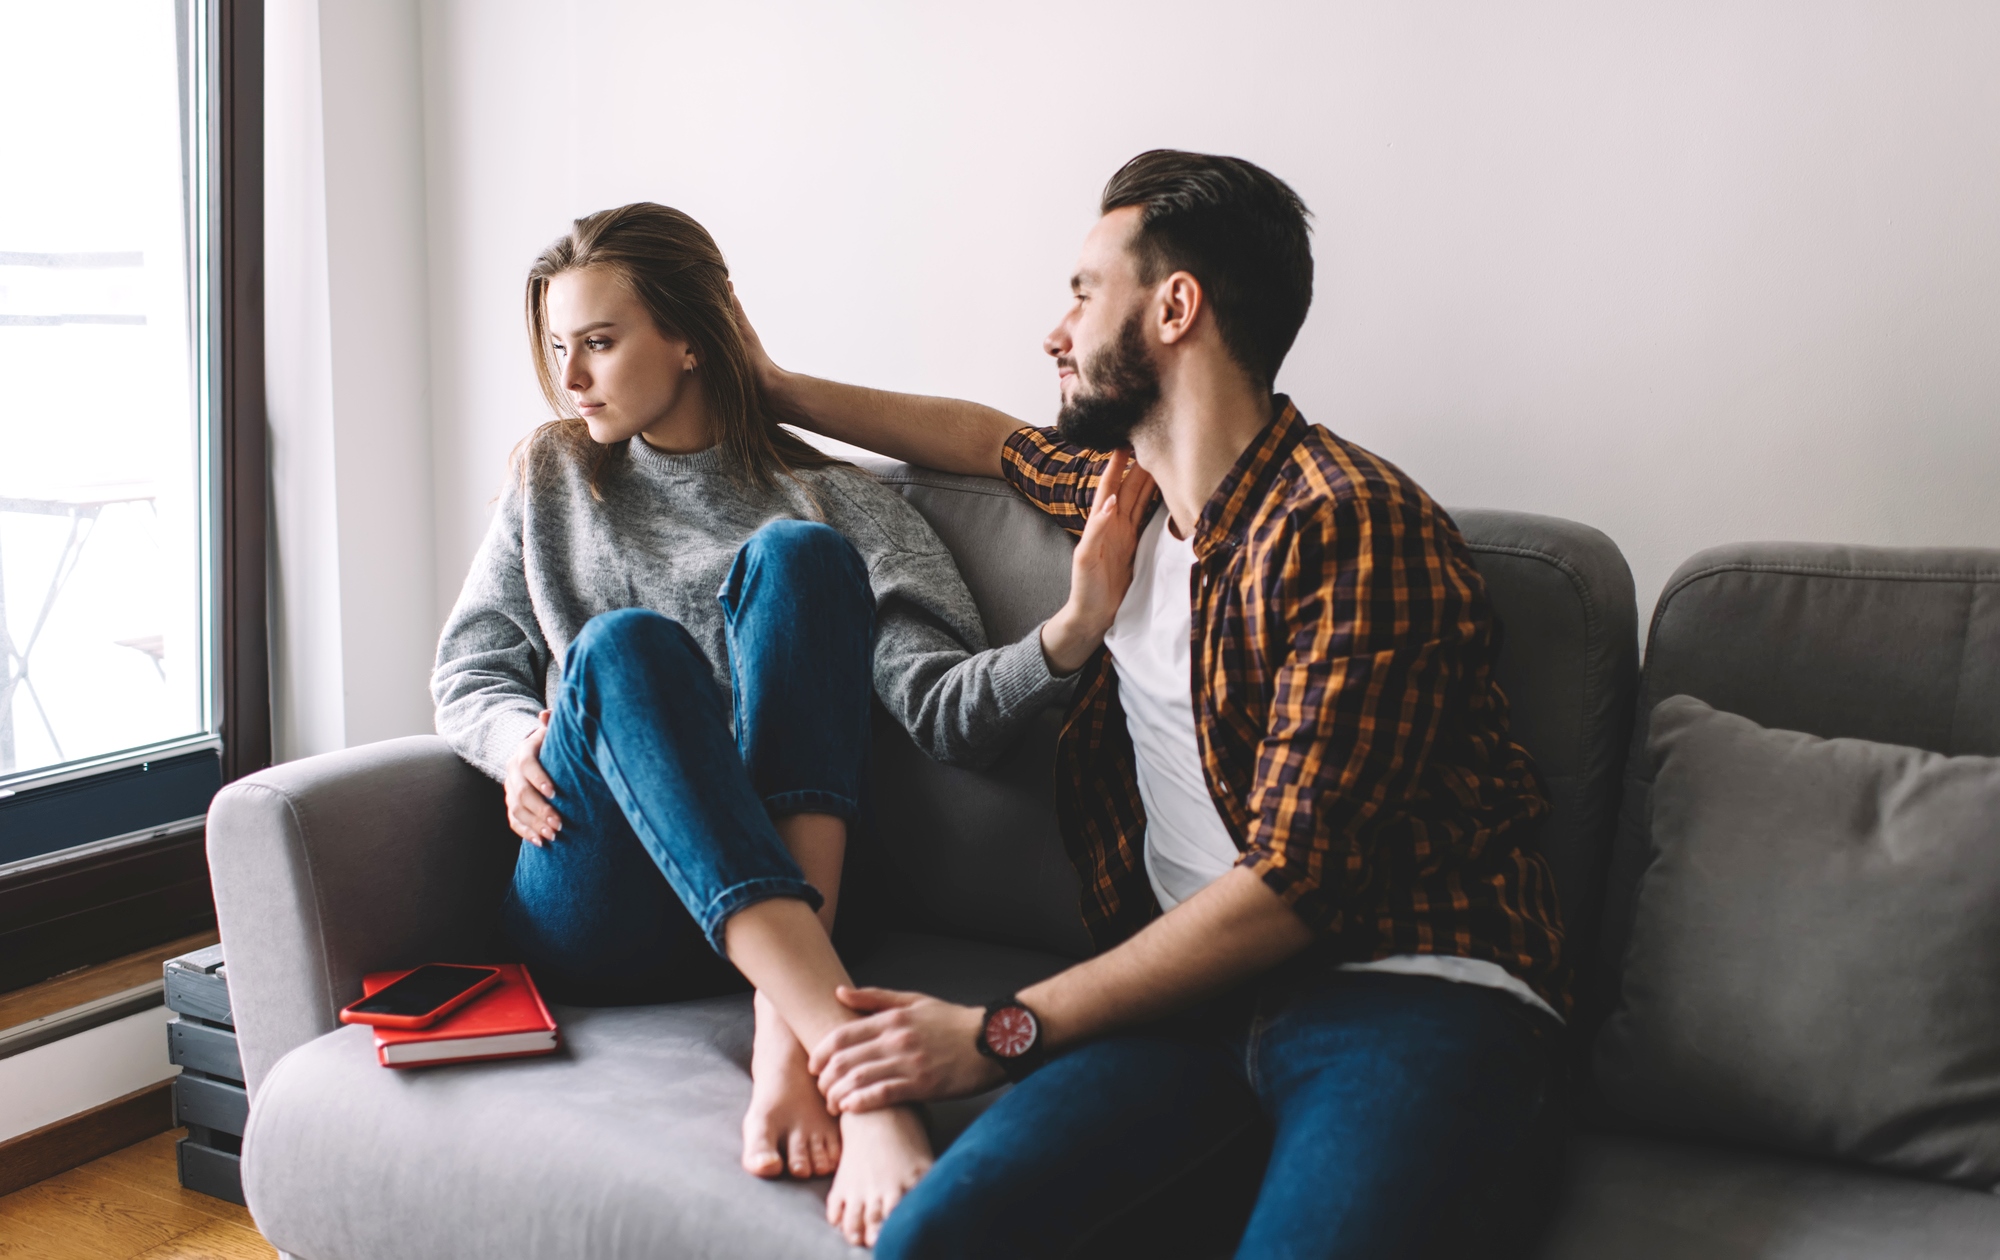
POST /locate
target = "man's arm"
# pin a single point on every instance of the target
(947, 434)
(1228, 932)
(916, 1047)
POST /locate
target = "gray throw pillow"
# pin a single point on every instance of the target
(1815, 957)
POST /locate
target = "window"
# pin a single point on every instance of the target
(132, 653)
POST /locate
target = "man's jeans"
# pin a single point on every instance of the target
(667, 827)
(1401, 1116)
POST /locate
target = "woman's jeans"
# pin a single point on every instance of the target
(1341, 1114)
(667, 816)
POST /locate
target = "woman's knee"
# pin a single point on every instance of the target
(804, 547)
(630, 638)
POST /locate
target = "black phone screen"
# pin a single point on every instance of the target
(423, 990)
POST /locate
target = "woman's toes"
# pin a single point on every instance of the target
(761, 1158)
(824, 1160)
(801, 1151)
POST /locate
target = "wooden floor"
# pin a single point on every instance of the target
(127, 1206)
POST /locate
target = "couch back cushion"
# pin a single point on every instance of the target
(1569, 663)
(976, 853)
(1894, 645)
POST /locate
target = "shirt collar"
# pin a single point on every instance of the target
(1245, 486)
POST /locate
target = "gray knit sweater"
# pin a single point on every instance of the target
(663, 537)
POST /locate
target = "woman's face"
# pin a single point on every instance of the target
(622, 373)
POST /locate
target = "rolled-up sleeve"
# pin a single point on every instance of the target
(1055, 476)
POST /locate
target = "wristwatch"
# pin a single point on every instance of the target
(1011, 1036)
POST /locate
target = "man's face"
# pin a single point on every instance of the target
(1105, 368)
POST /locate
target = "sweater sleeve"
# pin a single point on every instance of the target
(492, 659)
(961, 701)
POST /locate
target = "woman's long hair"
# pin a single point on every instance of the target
(673, 267)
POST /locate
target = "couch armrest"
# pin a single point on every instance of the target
(388, 855)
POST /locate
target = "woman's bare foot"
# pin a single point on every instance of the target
(887, 1152)
(787, 1127)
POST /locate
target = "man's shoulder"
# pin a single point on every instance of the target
(1329, 478)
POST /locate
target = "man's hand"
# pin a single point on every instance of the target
(912, 1049)
(1100, 570)
(529, 790)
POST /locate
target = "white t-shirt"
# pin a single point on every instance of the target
(1187, 845)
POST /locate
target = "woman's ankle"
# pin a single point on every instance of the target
(773, 1044)
(779, 945)
(818, 843)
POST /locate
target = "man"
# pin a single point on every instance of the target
(1286, 781)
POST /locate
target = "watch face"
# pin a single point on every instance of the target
(1010, 1031)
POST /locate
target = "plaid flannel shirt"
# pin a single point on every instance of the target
(1351, 731)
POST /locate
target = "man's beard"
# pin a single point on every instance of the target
(1116, 389)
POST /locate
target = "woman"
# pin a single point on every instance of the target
(665, 651)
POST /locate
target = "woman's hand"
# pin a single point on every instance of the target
(529, 790)
(770, 377)
(1100, 571)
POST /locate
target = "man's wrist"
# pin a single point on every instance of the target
(972, 1027)
(776, 385)
(1010, 1036)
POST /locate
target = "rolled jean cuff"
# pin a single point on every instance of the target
(739, 897)
(811, 801)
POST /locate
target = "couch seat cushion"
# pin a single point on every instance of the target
(1647, 1199)
(622, 1144)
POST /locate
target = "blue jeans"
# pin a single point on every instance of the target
(1360, 1114)
(667, 815)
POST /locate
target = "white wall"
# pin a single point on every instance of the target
(1689, 272)
(348, 370)
(84, 1070)
(306, 662)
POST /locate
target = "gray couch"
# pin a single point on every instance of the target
(624, 1144)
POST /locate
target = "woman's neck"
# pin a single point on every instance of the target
(684, 430)
(678, 439)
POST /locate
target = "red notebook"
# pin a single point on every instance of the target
(508, 1021)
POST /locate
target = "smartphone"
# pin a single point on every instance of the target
(423, 997)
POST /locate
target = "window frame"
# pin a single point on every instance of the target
(101, 900)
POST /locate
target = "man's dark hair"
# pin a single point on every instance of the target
(1238, 229)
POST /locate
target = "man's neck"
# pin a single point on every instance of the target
(1205, 421)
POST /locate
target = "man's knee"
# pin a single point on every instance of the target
(921, 1227)
(633, 638)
